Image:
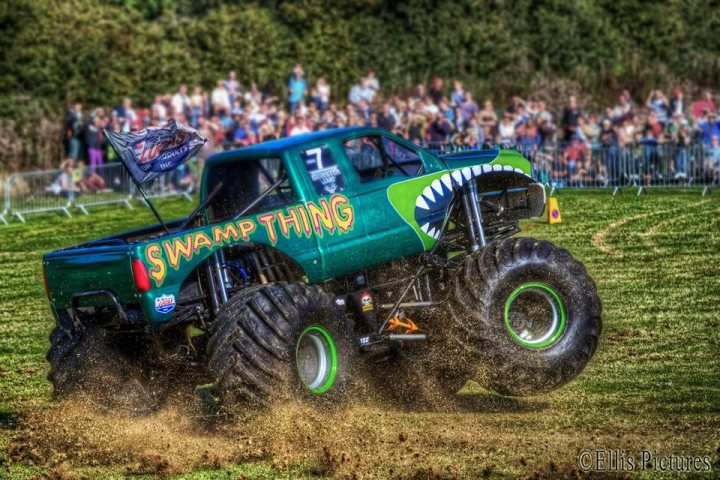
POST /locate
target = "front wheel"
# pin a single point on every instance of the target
(532, 313)
(282, 341)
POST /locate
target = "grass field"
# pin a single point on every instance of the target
(654, 383)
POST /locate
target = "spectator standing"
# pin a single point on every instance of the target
(126, 115)
(387, 119)
(321, 94)
(220, 99)
(94, 140)
(609, 142)
(74, 131)
(372, 83)
(355, 94)
(457, 97)
(506, 129)
(197, 101)
(658, 103)
(181, 103)
(680, 135)
(709, 126)
(591, 129)
(233, 87)
(570, 118)
(439, 129)
(624, 107)
(436, 90)
(653, 122)
(704, 105)
(677, 104)
(712, 157)
(468, 108)
(367, 92)
(297, 87)
(158, 109)
(515, 105)
(488, 119)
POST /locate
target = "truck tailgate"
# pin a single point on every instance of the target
(93, 268)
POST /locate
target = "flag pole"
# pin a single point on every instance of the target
(172, 145)
(137, 184)
(149, 203)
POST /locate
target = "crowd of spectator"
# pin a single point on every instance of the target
(567, 143)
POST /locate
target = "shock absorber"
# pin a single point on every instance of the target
(471, 205)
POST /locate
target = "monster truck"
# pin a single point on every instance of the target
(315, 260)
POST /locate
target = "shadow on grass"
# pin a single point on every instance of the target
(8, 421)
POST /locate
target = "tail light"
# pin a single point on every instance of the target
(140, 275)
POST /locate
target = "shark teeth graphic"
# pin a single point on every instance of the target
(428, 194)
(421, 203)
(431, 205)
(437, 186)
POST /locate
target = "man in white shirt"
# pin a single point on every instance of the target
(220, 98)
(181, 102)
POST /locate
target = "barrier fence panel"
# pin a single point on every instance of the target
(639, 165)
(6, 201)
(104, 185)
(35, 192)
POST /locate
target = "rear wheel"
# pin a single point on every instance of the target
(532, 314)
(279, 341)
(90, 362)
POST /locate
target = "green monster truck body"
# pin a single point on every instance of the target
(383, 231)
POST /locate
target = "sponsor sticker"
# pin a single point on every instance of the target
(366, 302)
(165, 303)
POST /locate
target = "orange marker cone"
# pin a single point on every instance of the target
(553, 211)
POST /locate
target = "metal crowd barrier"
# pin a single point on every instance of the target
(640, 165)
(36, 192)
(61, 190)
(104, 185)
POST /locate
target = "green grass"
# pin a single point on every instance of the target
(654, 382)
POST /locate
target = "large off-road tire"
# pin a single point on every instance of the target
(282, 341)
(530, 313)
(88, 362)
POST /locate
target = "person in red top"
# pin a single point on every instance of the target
(701, 106)
(654, 124)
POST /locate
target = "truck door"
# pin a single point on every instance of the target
(326, 184)
(378, 161)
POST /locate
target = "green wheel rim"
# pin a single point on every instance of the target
(557, 322)
(316, 359)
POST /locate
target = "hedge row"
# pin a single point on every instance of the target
(54, 52)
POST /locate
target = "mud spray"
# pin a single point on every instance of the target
(371, 440)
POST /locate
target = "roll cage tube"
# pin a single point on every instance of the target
(386, 157)
(281, 179)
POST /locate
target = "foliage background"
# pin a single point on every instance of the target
(54, 52)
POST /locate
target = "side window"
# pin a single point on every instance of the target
(243, 182)
(402, 157)
(323, 169)
(375, 157)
